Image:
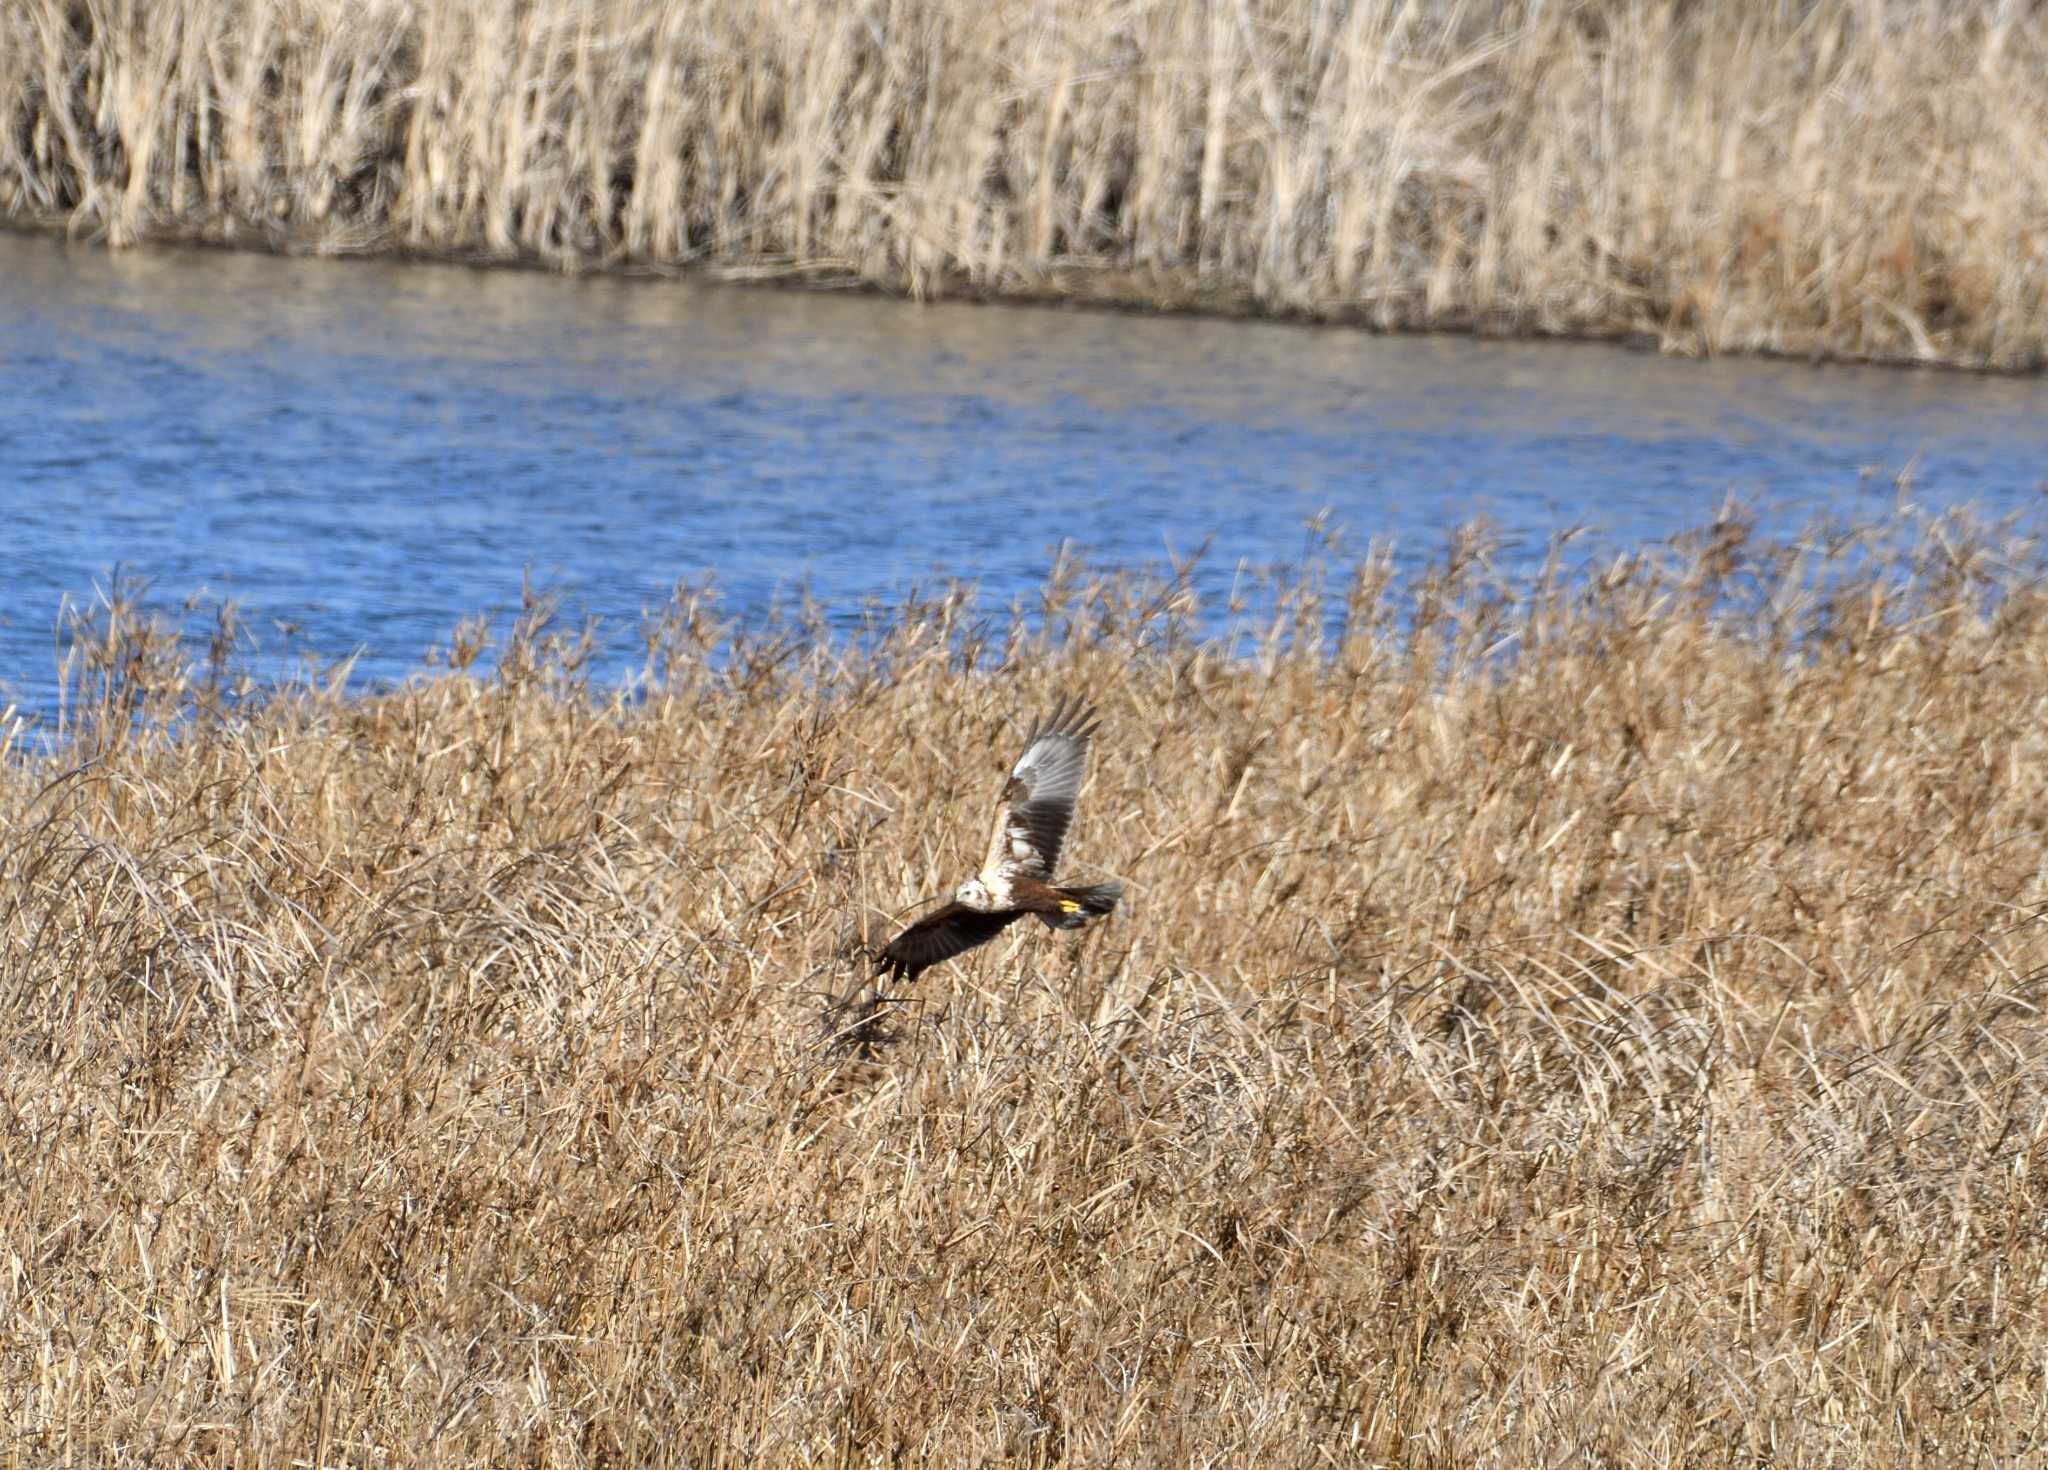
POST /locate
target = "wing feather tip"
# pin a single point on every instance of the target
(1071, 716)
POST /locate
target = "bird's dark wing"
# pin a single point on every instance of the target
(938, 936)
(1037, 804)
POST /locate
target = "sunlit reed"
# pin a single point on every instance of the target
(1850, 177)
(1584, 1019)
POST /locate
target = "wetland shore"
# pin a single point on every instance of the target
(1836, 179)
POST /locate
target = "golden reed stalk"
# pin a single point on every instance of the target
(1587, 1021)
(1858, 178)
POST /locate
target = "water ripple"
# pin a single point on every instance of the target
(371, 452)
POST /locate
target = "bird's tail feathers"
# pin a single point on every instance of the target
(1091, 902)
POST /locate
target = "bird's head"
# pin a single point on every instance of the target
(973, 894)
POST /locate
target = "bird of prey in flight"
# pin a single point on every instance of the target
(1032, 816)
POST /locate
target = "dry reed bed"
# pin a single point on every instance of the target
(1851, 177)
(1592, 1024)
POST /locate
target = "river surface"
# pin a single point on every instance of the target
(361, 454)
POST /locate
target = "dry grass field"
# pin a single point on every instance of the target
(1860, 178)
(1588, 1022)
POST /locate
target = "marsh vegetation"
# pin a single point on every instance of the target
(1838, 177)
(1586, 1020)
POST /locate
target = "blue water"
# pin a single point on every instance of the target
(361, 454)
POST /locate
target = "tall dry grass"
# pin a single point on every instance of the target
(1588, 1023)
(1861, 178)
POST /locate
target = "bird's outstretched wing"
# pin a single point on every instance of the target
(1037, 804)
(938, 936)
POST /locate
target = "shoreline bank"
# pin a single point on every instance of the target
(1106, 298)
(1838, 183)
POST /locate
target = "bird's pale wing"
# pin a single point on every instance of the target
(1037, 804)
(938, 936)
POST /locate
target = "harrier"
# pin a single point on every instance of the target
(1032, 816)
